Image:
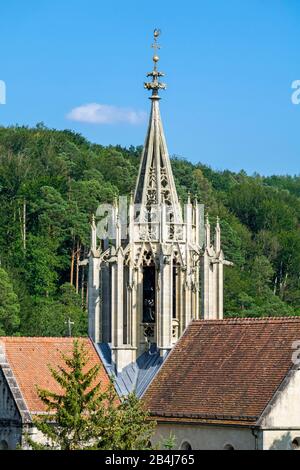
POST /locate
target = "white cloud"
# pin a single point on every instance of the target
(95, 113)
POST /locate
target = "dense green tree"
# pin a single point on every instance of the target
(9, 306)
(41, 265)
(85, 415)
(261, 275)
(50, 316)
(132, 430)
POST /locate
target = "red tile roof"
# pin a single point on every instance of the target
(224, 370)
(29, 359)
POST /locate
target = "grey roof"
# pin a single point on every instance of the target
(136, 376)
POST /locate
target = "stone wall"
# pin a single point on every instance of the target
(10, 419)
(281, 420)
(206, 437)
(280, 439)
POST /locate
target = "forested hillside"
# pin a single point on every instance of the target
(52, 181)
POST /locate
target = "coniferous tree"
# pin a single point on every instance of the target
(66, 425)
(84, 416)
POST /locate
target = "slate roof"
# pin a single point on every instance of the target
(28, 359)
(224, 370)
(134, 377)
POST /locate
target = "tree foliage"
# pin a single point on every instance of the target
(9, 306)
(85, 415)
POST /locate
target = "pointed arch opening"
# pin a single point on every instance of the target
(149, 304)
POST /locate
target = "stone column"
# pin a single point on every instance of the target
(117, 299)
(129, 289)
(181, 312)
(135, 321)
(196, 219)
(195, 293)
(219, 267)
(205, 286)
(94, 298)
(140, 340)
(164, 320)
(188, 287)
(187, 299)
(105, 326)
(220, 290)
(189, 220)
(212, 290)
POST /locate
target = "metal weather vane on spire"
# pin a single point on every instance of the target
(155, 85)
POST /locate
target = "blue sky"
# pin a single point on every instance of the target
(229, 67)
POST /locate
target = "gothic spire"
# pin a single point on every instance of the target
(155, 184)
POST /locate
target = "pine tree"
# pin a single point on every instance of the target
(66, 426)
(84, 416)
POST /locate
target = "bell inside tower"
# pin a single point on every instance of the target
(149, 294)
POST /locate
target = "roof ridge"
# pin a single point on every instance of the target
(249, 320)
(184, 414)
(42, 338)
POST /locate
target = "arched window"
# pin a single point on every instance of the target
(185, 446)
(296, 443)
(3, 445)
(228, 447)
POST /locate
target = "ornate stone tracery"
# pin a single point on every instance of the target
(151, 281)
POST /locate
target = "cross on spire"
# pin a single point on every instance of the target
(155, 84)
(156, 46)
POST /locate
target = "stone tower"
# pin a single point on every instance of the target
(146, 281)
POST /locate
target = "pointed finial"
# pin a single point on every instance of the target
(189, 197)
(93, 234)
(131, 197)
(207, 231)
(155, 85)
(218, 236)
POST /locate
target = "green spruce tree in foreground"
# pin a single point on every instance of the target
(84, 416)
